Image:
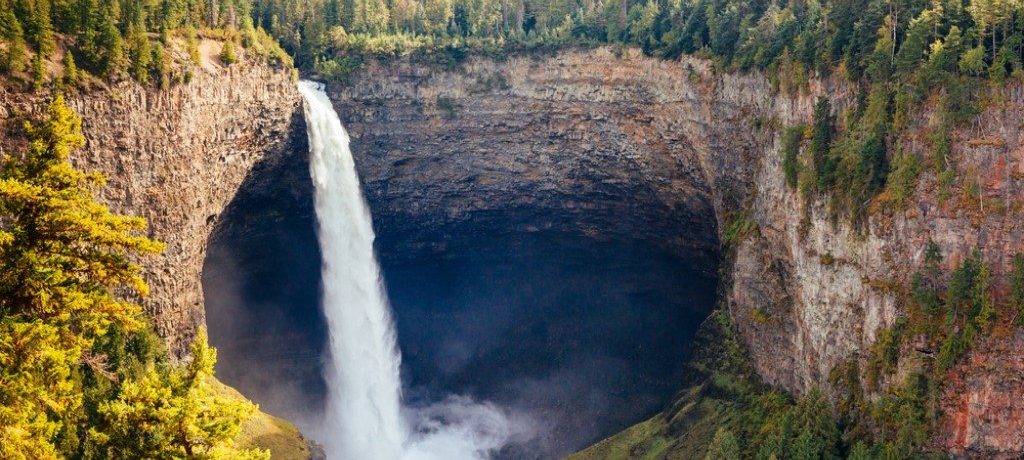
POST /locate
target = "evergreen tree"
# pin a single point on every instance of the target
(371, 16)
(36, 368)
(70, 69)
(174, 411)
(66, 261)
(192, 45)
(114, 60)
(227, 53)
(436, 15)
(821, 141)
(915, 44)
(724, 446)
(1017, 287)
(63, 252)
(16, 57)
(973, 61)
(38, 72)
(160, 67)
(10, 26)
(140, 53)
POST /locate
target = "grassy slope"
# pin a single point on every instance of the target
(714, 396)
(266, 431)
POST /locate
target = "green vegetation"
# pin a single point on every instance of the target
(123, 39)
(726, 412)
(886, 410)
(84, 375)
(739, 228)
(227, 53)
(950, 314)
(915, 45)
(792, 138)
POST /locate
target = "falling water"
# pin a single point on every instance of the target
(364, 418)
(364, 401)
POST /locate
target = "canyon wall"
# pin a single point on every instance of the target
(177, 158)
(579, 136)
(580, 139)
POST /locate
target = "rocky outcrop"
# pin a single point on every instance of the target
(177, 157)
(580, 134)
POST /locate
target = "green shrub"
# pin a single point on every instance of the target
(227, 53)
(70, 69)
(972, 62)
(792, 137)
(902, 180)
(739, 228)
(448, 105)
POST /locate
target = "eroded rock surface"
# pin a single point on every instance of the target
(686, 150)
(177, 157)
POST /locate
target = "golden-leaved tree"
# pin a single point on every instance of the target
(79, 374)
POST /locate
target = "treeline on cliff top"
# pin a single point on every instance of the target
(864, 39)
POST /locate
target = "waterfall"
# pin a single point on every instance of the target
(364, 390)
(364, 418)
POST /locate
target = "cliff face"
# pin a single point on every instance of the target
(177, 157)
(581, 139)
(576, 135)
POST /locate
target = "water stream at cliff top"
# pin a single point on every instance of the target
(364, 418)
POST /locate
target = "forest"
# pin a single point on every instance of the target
(866, 40)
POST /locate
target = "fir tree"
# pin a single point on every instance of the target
(70, 69)
(38, 72)
(159, 66)
(227, 53)
(64, 257)
(140, 54)
(16, 57)
(175, 411)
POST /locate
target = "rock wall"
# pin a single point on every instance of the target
(687, 150)
(177, 157)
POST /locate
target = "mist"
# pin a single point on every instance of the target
(513, 343)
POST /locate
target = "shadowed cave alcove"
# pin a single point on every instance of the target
(578, 315)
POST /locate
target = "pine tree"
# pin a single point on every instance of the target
(724, 446)
(160, 67)
(174, 411)
(64, 258)
(821, 140)
(114, 59)
(371, 16)
(63, 253)
(70, 69)
(192, 45)
(10, 26)
(140, 54)
(39, 28)
(1017, 287)
(227, 53)
(35, 368)
(16, 57)
(38, 72)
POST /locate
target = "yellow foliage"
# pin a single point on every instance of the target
(177, 412)
(64, 254)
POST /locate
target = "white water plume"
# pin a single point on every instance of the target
(364, 418)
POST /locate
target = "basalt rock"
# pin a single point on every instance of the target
(685, 150)
(177, 157)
